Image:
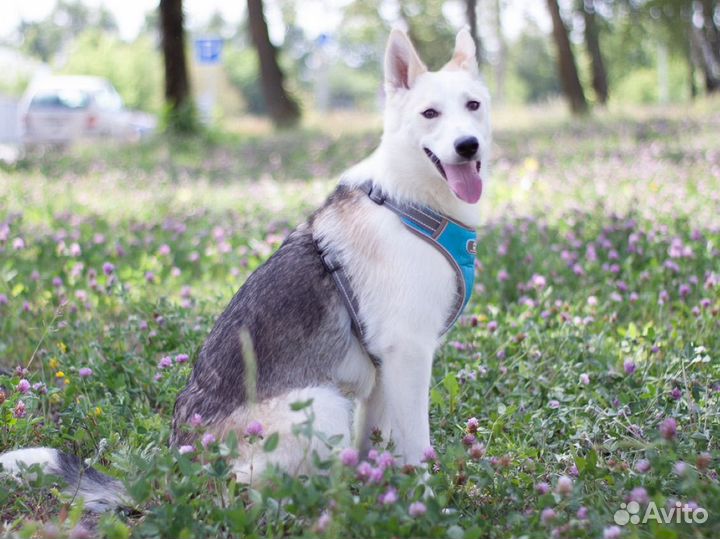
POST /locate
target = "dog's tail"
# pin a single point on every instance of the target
(100, 492)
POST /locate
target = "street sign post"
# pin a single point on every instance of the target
(208, 51)
(208, 55)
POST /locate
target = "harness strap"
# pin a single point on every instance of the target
(428, 225)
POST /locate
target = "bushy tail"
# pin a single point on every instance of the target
(100, 492)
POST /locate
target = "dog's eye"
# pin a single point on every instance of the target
(473, 105)
(430, 114)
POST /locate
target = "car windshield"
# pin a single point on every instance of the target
(64, 99)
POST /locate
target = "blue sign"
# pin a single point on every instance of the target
(208, 50)
(322, 40)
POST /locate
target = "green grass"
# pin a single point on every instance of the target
(596, 319)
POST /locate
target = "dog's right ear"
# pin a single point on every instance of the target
(402, 64)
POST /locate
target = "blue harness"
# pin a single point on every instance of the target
(456, 242)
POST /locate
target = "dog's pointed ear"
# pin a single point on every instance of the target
(402, 63)
(465, 54)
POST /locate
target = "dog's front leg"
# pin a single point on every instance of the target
(398, 404)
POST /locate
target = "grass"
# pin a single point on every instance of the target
(584, 374)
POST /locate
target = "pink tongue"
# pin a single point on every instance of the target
(465, 181)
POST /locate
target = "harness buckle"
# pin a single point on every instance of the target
(329, 262)
(376, 196)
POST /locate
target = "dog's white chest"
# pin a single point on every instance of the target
(405, 287)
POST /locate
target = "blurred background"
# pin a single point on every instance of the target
(246, 67)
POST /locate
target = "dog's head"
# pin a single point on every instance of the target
(444, 116)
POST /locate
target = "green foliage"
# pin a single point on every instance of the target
(429, 30)
(641, 85)
(135, 69)
(182, 120)
(353, 87)
(534, 67)
(68, 19)
(14, 86)
(243, 71)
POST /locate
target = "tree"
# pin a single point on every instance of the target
(177, 85)
(566, 62)
(531, 60)
(428, 29)
(471, 15)
(592, 43)
(283, 110)
(68, 19)
(501, 58)
(135, 69)
(706, 42)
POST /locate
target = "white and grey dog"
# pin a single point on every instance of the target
(352, 307)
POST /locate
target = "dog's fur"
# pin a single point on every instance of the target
(297, 323)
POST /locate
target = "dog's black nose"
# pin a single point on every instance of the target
(466, 147)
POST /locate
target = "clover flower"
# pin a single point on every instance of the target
(668, 428)
(207, 439)
(23, 386)
(364, 471)
(429, 455)
(417, 509)
(389, 497)
(639, 495)
(548, 515)
(254, 428)
(564, 485)
(165, 362)
(349, 457)
(20, 410)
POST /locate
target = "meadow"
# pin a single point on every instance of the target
(582, 380)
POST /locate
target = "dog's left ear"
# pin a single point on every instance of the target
(464, 56)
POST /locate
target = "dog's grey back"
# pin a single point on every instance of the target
(299, 329)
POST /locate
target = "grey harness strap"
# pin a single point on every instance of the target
(332, 265)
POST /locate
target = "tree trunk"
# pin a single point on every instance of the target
(471, 14)
(709, 43)
(177, 85)
(712, 32)
(501, 64)
(566, 62)
(706, 59)
(691, 62)
(283, 110)
(592, 42)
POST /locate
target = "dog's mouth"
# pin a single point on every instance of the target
(464, 179)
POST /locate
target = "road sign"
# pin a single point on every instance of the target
(208, 50)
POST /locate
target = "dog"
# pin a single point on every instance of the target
(348, 313)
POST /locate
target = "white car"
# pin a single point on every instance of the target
(60, 110)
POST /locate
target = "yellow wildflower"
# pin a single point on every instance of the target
(531, 164)
(98, 411)
(62, 346)
(59, 374)
(54, 363)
